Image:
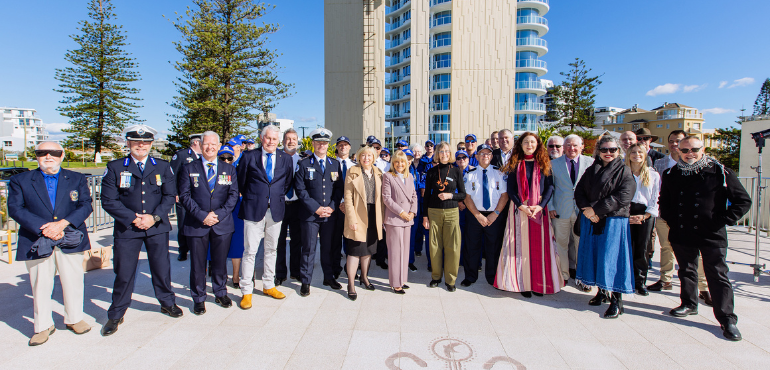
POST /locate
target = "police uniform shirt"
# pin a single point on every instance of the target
(497, 186)
(143, 162)
(295, 159)
(382, 165)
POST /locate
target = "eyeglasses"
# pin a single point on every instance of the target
(694, 150)
(45, 152)
(226, 158)
(554, 146)
(485, 154)
(611, 150)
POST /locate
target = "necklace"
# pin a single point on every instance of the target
(442, 184)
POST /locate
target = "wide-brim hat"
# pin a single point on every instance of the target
(645, 132)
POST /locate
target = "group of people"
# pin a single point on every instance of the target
(533, 214)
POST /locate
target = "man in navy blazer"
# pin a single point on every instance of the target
(208, 190)
(318, 182)
(264, 176)
(138, 191)
(44, 202)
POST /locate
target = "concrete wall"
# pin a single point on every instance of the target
(419, 121)
(345, 110)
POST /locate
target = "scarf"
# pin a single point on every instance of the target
(528, 193)
(695, 168)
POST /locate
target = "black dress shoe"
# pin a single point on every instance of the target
(572, 273)
(450, 288)
(236, 285)
(111, 326)
(366, 286)
(434, 283)
(173, 311)
(659, 285)
(383, 265)
(418, 254)
(405, 286)
(526, 294)
(412, 267)
(333, 284)
(601, 297)
(642, 290)
(224, 301)
(279, 281)
(304, 290)
(683, 311)
(352, 296)
(731, 332)
(466, 283)
(182, 257)
(400, 291)
(537, 294)
(199, 308)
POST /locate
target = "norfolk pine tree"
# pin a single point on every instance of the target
(762, 104)
(227, 72)
(574, 98)
(97, 97)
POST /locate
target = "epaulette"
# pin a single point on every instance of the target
(472, 169)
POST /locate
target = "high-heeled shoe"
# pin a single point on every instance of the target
(405, 286)
(352, 295)
(369, 286)
(400, 291)
(236, 285)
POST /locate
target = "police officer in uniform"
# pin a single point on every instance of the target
(318, 182)
(138, 191)
(182, 157)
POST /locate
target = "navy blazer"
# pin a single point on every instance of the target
(30, 206)
(546, 188)
(257, 191)
(198, 199)
(146, 195)
(321, 189)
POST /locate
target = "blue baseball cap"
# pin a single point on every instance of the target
(483, 147)
(430, 142)
(250, 141)
(242, 138)
(226, 150)
(408, 153)
(470, 136)
(402, 143)
(370, 139)
(374, 141)
(234, 141)
(343, 138)
(385, 150)
(461, 152)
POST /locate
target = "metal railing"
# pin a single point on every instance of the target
(750, 219)
(531, 41)
(531, 63)
(536, 1)
(436, 64)
(533, 107)
(436, 2)
(532, 85)
(532, 19)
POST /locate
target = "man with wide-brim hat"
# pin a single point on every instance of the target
(645, 135)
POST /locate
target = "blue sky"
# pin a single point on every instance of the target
(708, 54)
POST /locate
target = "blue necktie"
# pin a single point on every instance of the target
(487, 202)
(290, 193)
(323, 167)
(269, 167)
(344, 169)
(212, 177)
(141, 166)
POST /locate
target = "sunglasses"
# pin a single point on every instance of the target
(694, 150)
(554, 146)
(470, 141)
(611, 150)
(45, 152)
(462, 158)
(644, 138)
(226, 158)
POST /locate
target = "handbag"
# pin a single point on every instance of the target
(97, 258)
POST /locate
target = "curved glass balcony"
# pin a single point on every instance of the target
(532, 41)
(532, 19)
(396, 6)
(437, 2)
(530, 85)
(531, 63)
(443, 85)
(531, 107)
(439, 106)
(441, 18)
(441, 39)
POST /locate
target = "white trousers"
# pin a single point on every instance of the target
(42, 273)
(562, 230)
(253, 233)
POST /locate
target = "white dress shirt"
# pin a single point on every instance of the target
(295, 160)
(264, 164)
(648, 195)
(474, 182)
(383, 165)
(506, 156)
(143, 161)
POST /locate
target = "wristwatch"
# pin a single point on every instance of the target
(156, 218)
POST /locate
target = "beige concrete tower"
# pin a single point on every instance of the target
(354, 61)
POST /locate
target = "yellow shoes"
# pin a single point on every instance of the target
(246, 302)
(42, 337)
(273, 292)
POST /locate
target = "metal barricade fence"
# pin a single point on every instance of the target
(750, 219)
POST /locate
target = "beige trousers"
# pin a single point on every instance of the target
(667, 257)
(562, 230)
(42, 273)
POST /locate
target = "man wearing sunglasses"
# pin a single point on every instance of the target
(555, 146)
(182, 157)
(138, 191)
(470, 148)
(47, 203)
(699, 197)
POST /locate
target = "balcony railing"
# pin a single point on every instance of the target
(436, 2)
(531, 63)
(536, 85)
(440, 127)
(396, 6)
(532, 19)
(395, 43)
(441, 85)
(440, 64)
(439, 106)
(536, 1)
(440, 21)
(437, 43)
(531, 41)
(537, 107)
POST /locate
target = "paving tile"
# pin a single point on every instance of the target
(316, 362)
(373, 344)
(326, 343)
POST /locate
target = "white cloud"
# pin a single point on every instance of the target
(718, 110)
(664, 89)
(694, 88)
(723, 84)
(742, 82)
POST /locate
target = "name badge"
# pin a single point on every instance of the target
(450, 179)
(473, 184)
(157, 180)
(498, 185)
(195, 177)
(311, 173)
(125, 180)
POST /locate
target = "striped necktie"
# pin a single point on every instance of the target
(212, 177)
(141, 166)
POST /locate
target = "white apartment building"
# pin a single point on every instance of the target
(19, 125)
(605, 115)
(282, 123)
